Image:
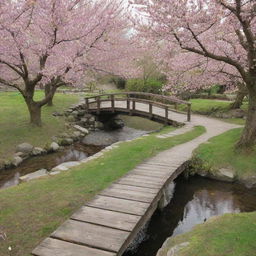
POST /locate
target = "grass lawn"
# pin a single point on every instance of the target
(209, 107)
(219, 152)
(14, 122)
(228, 235)
(238, 121)
(31, 211)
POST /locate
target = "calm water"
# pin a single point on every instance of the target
(76, 152)
(194, 201)
(106, 138)
(93, 143)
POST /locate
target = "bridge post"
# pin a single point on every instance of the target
(128, 104)
(150, 110)
(166, 114)
(189, 112)
(98, 104)
(87, 104)
(112, 97)
(133, 105)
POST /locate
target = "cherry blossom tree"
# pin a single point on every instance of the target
(46, 42)
(220, 30)
(187, 72)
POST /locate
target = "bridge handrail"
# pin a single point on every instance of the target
(156, 96)
(111, 97)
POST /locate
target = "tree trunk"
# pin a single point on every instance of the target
(48, 90)
(242, 92)
(35, 112)
(248, 138)
(238, 101)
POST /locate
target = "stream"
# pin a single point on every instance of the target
(90, 145)
(76, 152)
(194, 201)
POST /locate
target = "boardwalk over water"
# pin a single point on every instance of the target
(106, 225)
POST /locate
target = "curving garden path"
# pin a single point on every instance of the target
(106, 225)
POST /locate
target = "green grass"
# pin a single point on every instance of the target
(238, 121)
(208, 106)
(219, 152)
(212, 107)
(14, 121)
(228, 235)
(31, 211)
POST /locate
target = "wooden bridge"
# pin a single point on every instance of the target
(106, 225)
(153, 106)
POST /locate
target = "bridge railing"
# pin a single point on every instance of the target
(131, 98)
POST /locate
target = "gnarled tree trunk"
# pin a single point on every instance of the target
(34, 107)
(241, 94)
(49, 91)
(248, 137)
(34, 112)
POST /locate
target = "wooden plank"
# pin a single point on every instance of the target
(154, 164)
(54, 247)
(91, 235)
(119, 205)
(153, 170)
(146, 178)
(149, 173)
(170, 167)
(106, 218)
(142, 181)
(137, 183)
(156, 168)
(126, 194)
(134, 188)
(158, 162)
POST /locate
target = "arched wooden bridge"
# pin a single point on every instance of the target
(153, 106)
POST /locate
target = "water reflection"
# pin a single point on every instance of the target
(92, 144)
(109, 137)
(203, 206)
(71, 155)
(194, 201)
(75, 152)
(12, 181)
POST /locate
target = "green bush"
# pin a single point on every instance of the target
(139, 85)
(120, 82)
(215, 89)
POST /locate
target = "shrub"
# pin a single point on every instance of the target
(138, 85)
(120, 82)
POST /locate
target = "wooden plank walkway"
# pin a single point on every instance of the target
(106, 225)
